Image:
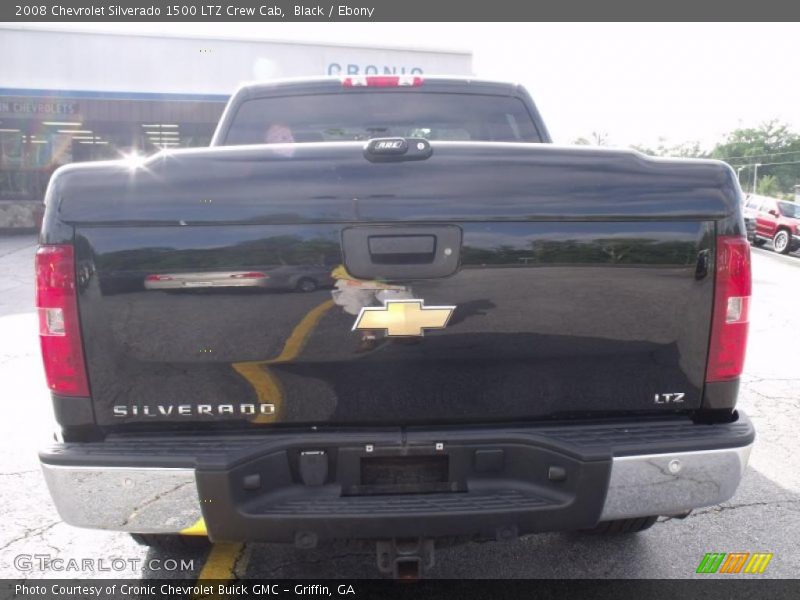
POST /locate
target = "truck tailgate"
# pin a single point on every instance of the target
(222, 287)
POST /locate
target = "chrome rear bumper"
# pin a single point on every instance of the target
(165, 500)
(670, 484)
(139, 500)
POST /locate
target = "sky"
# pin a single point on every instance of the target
(637, 83)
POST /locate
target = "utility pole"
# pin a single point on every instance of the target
(755, 176)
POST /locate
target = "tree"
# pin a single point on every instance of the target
(772, 145)
(598, 138)
(683, 150)
(768, 186)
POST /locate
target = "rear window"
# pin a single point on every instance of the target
(790, 209)
(361, 116)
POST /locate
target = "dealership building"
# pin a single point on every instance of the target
(68, 96)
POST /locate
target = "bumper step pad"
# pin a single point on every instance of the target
(480, 501)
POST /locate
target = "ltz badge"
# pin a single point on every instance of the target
(403, 318)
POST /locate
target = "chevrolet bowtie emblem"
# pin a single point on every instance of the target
(404, 317)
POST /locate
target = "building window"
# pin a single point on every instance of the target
(33, 146)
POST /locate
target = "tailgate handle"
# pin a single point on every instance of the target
(401, 252)
(402, 249)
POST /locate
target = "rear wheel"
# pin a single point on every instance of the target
(172, 542)
(622, 526)
(306, 284)
(781, 242)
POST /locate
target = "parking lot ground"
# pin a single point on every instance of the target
(764, 516)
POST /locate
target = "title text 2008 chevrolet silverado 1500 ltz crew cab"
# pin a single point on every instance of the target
(515, 337)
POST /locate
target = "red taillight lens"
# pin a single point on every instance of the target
(383, 81)
(59, 330)
(731, 309)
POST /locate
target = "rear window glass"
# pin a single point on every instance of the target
(790, 209)
(361, 116)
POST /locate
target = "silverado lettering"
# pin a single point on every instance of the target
(190, 410)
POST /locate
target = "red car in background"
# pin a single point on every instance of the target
(775, 220)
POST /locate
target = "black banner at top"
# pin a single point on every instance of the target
(393, 10)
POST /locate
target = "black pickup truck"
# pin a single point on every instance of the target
(503, 336)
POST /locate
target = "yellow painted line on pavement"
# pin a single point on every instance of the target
(299, 336)
(221, 562)
(198, 528)
(268, 390)
(221, 565)
(258, 373)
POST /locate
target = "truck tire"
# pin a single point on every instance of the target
(306, 284)
(780, 242)
(172, 543)
(622, 526)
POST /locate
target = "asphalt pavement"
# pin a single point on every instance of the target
(763, 516)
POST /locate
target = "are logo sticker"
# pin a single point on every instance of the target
(734, 562)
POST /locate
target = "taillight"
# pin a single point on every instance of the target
(59, 330)
(383, 81)
(731, 309)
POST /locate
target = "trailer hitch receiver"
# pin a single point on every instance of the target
(405, 558)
